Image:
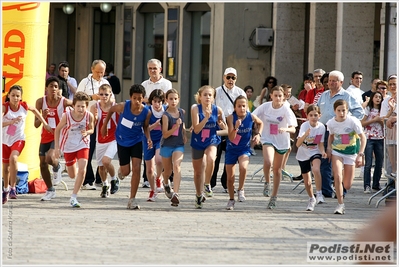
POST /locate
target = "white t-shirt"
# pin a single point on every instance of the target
(310, 146)
(273, 119)
(150, 86)
(385, 106)
(345, 135)
(90, 86)
(224, 102)
(356, 93)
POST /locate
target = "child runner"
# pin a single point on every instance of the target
(14, 115)
(238, 147)
(76, 126)
(206, 118)
(373, 125)
(343, 149)
(279, 122)
(106, 146)
(133, 123)
(310, 151)
(172, 144)
(152, 157)
(51, 106)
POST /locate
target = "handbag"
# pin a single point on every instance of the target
(37, 186)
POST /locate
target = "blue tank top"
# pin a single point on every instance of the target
(245, 131)
(130, 127)
(207, 136)
(173, 141)
(156, 133)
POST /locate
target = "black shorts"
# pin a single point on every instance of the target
(306, 165)
(44, 148)
(126, 153)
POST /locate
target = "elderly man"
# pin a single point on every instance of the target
(225, 96)
(326, 105)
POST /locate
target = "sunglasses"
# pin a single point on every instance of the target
(231, 77)
(104, 94)
(382, 88)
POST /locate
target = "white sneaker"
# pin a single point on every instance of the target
(320, 199)
(74, 203)
(57, 176)
(152, 196)
(340, 209)
(311, 204)
(241, 196)
(89, 187)
(367, 190)
(230, 204)
(132, 204)
(48, 196)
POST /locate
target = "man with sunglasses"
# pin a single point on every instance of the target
(225, 96)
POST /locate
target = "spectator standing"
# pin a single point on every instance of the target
(373, 89)
(90, 86)
(373, 125)
(112, 79)
(225, 96)
(264, 96)
(326, 105)
(51, 70)
(354, 88)
(68, 85)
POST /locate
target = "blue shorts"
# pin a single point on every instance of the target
(167, 151)
(150, 153)
(231, 157)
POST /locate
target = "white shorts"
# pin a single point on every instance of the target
(347, 159)
(105, 150)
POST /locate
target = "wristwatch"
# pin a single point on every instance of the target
(259, 135)
(361, 154)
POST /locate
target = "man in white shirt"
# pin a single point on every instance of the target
(225, 96)
(354, 88)
(156, 81)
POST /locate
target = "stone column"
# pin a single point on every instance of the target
(289, 43)
(322, 35)
(355, 39)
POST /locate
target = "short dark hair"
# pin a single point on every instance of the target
(137, 89)
(340, 102)
(356, 72)
(64, 64)
(325, 75)
(52, 79)
(248, 87)
(157, 93)
(308, 77)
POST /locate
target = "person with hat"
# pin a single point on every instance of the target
(225, 96)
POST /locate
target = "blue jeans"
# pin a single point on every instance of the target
(376, 146)
(326, 172)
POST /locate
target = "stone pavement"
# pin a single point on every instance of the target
(104, 232)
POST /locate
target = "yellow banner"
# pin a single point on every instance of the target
(25, 33)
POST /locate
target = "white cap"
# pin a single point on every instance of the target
(230, 70)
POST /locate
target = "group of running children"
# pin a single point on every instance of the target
(157, 129)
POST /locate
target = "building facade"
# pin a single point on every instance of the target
(197, 41)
